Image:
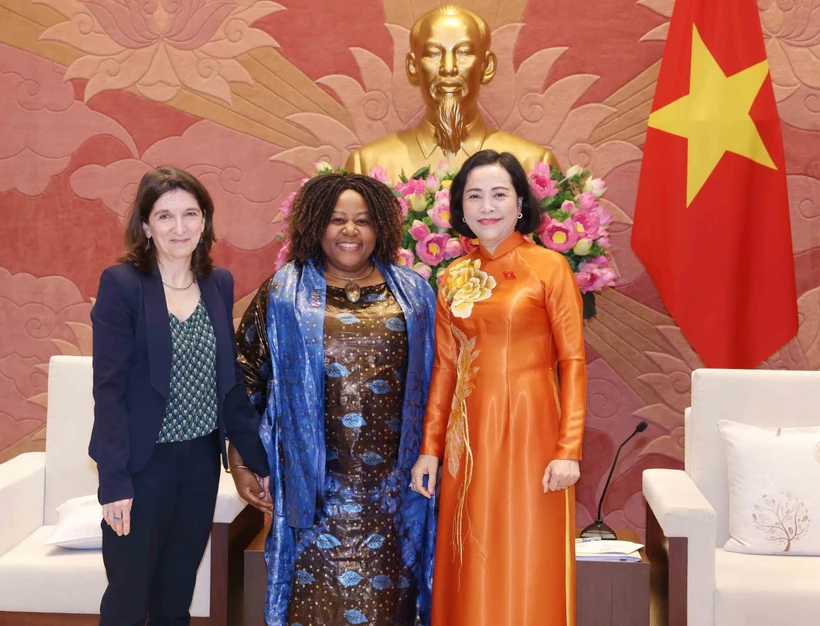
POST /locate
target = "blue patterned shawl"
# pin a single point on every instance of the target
(293, 430)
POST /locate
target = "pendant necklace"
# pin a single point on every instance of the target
(188, 286)
(352, 289)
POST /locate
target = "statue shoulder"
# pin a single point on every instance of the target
(528, 152)
(390, 147)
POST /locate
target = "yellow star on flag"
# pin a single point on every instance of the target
(714, 117)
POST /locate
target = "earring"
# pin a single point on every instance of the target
(464, 219)
(201, 240)
(520, 215)
(148, 244)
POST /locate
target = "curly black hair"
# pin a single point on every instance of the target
(313, 207)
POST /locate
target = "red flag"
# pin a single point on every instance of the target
(712, 215)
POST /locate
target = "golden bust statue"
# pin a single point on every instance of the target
(449, 60)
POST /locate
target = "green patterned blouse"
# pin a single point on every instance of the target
(191, 408)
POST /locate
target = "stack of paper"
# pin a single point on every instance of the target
(607, 551)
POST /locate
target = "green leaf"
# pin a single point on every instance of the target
(402, 176)
(422, 172)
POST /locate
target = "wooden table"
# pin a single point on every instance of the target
(613, 593)
(608, 594)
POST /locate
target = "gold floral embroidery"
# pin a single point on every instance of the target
(457, 442)
(465, 286)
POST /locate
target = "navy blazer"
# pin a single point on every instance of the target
(132, 375)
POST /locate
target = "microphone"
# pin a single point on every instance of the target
(598, 528)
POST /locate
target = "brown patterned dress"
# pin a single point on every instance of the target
(348, 568)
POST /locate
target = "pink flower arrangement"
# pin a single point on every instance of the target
(575, 223)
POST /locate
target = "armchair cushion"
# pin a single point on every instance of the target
(22, 491)
(774, 501)
(763, 590)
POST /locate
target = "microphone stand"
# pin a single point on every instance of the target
(598, 528)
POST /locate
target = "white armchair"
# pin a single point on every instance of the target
(688, 510)
(39, 583)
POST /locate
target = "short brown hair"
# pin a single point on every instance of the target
(153, 185)
(313, 207)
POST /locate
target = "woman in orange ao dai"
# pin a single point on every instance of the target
(505, 411)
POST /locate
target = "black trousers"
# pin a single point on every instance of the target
(152, 571)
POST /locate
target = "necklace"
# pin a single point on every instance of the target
(193, 278)
(352, 289)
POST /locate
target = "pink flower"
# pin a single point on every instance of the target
(453, 249)
(559, 236)
(404, 207)
(569, 207)
(588, 224)
(412, 186)
(440, 213)
(423, 270)
(541, 183)
(596, 185)
(285, 207)
(468, 244)
(586, 201)
(584, 280)
(432, 248)
(604, 216)
(323, 167)
(406, 258)
(380, 174)
(600, 261)
(592, 277)
(432, 184)
(604, 241)
(419, 230)
(283, 256)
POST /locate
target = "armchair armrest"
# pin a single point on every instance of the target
(228, 503)
(22, 498)
(683, 511)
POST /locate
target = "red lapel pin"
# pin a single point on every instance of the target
(509, 275)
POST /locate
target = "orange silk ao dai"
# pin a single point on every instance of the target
(506, 325)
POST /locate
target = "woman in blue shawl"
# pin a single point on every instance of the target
(337, 349)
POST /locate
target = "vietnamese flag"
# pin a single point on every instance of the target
(712, 215)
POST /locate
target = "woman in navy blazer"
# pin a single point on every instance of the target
(168, 392)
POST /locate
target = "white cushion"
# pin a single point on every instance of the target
(755, 590)
(758, 397)
(38, 578)
(78, 524)
(774, 500)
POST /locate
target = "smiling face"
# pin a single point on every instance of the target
(349, 238)
(491, 205)
(175, 225)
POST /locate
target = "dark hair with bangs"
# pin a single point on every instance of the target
(155, 184)
(313, 207)
(531, 214)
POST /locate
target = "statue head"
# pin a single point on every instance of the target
(449, 60)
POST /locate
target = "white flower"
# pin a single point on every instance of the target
(596, 185)
(574, 171)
